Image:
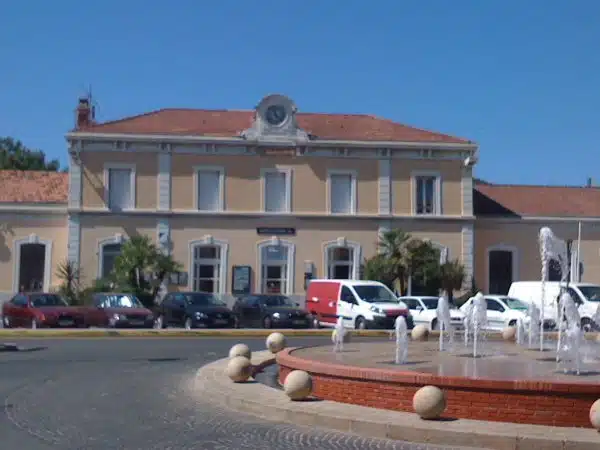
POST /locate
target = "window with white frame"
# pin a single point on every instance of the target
(275, 269)
(342, 192)
(277, 185)
(120, 188)
(340, 263)
(209, 189)
(427, 194)
(206, 268)
(110, 252)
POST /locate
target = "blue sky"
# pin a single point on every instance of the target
(519, 77)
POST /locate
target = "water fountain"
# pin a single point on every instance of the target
(401, 334)
(338, 334)
(551, 248)
(478, 320)
(520, 338)
(467, 322)
(533, 332)
(444, 320)
(570, 341)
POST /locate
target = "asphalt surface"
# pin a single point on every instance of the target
(134, 394)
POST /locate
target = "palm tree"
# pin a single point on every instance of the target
(378, 268)
(394, 247)
(452, 276)
(70, 275)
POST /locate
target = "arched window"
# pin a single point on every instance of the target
(208, 265)
(342, 259)
(108, 251)
(276, 262)
(32, 264)
(502, 268)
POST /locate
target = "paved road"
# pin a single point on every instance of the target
(134, 394)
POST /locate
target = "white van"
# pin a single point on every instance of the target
(585, 295)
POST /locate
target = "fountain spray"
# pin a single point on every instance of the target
(478, 319)
(401, 334)
(444, 319)
(338, 334)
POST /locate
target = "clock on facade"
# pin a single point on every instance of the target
(275, 114)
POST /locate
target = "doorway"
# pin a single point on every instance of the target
(32, 267)
(500, 271)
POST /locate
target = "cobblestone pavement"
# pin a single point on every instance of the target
(133, 394)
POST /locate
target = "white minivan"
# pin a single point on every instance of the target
(585, 295)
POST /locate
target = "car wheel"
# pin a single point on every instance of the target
(6, 322)
(188, 324)
(361, 323)
(267, 323)
(587, 325)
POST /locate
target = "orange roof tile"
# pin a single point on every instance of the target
(541, 201)
(228, 123)
(33, 186)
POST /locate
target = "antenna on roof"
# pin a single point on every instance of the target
(91, 102)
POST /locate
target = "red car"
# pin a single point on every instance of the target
(40, 309)
(117, 310)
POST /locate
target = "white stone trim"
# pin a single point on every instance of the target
(437, 191)
(74, 239)
(223, 246)
(515, 261)
(221, 171)
(164, 180)
(356, 255)
(32, 239)
(132, 181)
(291, 263)
(466, 185)
(118, 238)
(467, 253)
(353, 190)
(385, 193)
(288, 188)
(75, 182)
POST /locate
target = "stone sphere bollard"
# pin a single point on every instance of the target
(239, 369)
(275, 342)
(429, 402)
(509, 333)
(595, 415)
(419, 333)
(240, 350)
(297, 385)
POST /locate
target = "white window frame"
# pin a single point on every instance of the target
(353, 190)
(356, 255)
(291, 263)
(502, 248)
(120, 166)
(223, 245)
(221, 200)
(437, 191)
(288, 188)
(32, 239)
(116, 239)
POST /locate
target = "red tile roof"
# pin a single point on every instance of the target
(226, 123)
(33, 186)
(544, 201)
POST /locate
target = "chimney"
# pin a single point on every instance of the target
(589, 182)
(84, 114)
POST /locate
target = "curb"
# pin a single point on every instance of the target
(258, 400)
(175, 333)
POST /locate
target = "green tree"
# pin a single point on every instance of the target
(14, 155)
(452, 277)
(394, 247)
(70, 277)
(424, 267)
(142, 267)
(378, 269)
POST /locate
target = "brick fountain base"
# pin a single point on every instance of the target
(506, 384)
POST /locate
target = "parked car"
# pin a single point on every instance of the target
(193, 310)
(502, 311)
(423, 310)
(361, 304)
(117, 310)
(269, 311)
(40, 309)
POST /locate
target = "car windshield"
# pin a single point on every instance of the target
(432, 303)
(375, 294)
(591, 293)
(277, 300)
(40, 301)
(200, 299)
(120, 301)
(515, 303)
